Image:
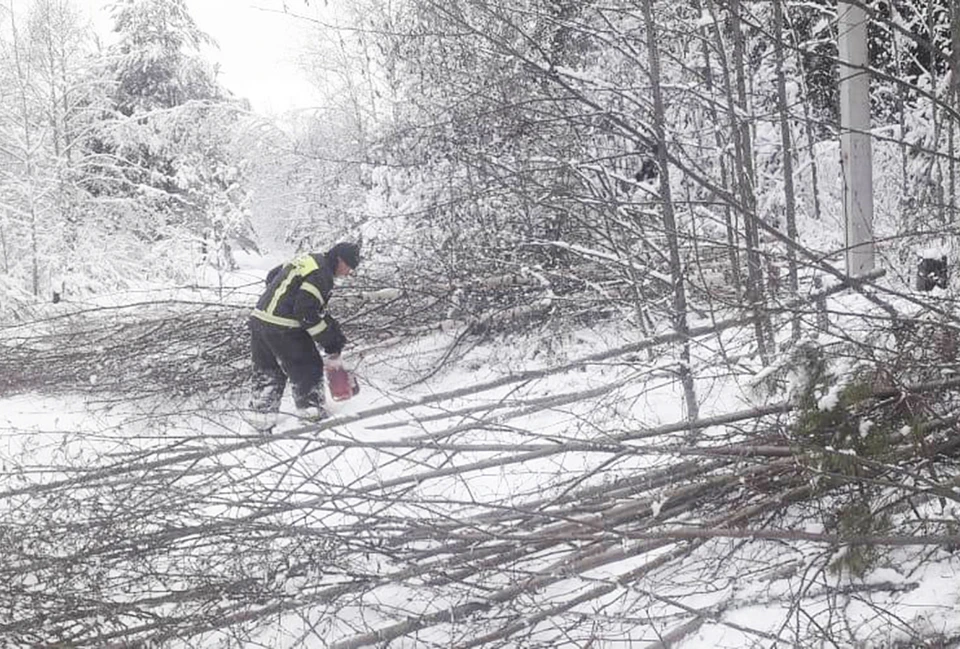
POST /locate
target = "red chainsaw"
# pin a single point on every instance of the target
(342, 383)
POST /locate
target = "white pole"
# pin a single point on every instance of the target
(855, 149)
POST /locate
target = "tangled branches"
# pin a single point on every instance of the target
(476, 532)
(137, 351)
(543, 507)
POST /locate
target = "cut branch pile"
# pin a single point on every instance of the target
(483, 530)
(172, 349)
(322, 531)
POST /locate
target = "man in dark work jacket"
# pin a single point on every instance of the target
(287, 326)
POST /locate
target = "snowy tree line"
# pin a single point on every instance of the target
(557, 137)
(114, 157)
(630, 154)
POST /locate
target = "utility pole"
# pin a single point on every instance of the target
(855, 148)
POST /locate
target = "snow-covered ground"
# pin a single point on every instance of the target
(523, 496)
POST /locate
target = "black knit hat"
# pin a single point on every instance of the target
(348, 252)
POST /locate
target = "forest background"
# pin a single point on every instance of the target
(565, 207)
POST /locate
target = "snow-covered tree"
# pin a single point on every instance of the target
(156, 59)
(168, 136)
(47, 109)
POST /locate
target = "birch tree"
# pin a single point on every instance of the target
(29, 175)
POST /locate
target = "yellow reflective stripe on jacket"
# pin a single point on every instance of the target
(289, 322)
(275, 319)
(317, 328)
(305, 265)
(301, 267)
(312, 290)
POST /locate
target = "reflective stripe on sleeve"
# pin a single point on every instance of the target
(317, 328)
(312, 290)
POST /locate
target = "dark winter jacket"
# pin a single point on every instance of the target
(296, 298)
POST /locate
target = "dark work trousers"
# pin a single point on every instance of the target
(280, 354)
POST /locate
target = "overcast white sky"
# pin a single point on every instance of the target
(258, 47)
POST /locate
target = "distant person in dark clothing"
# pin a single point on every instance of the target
(288, 325)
